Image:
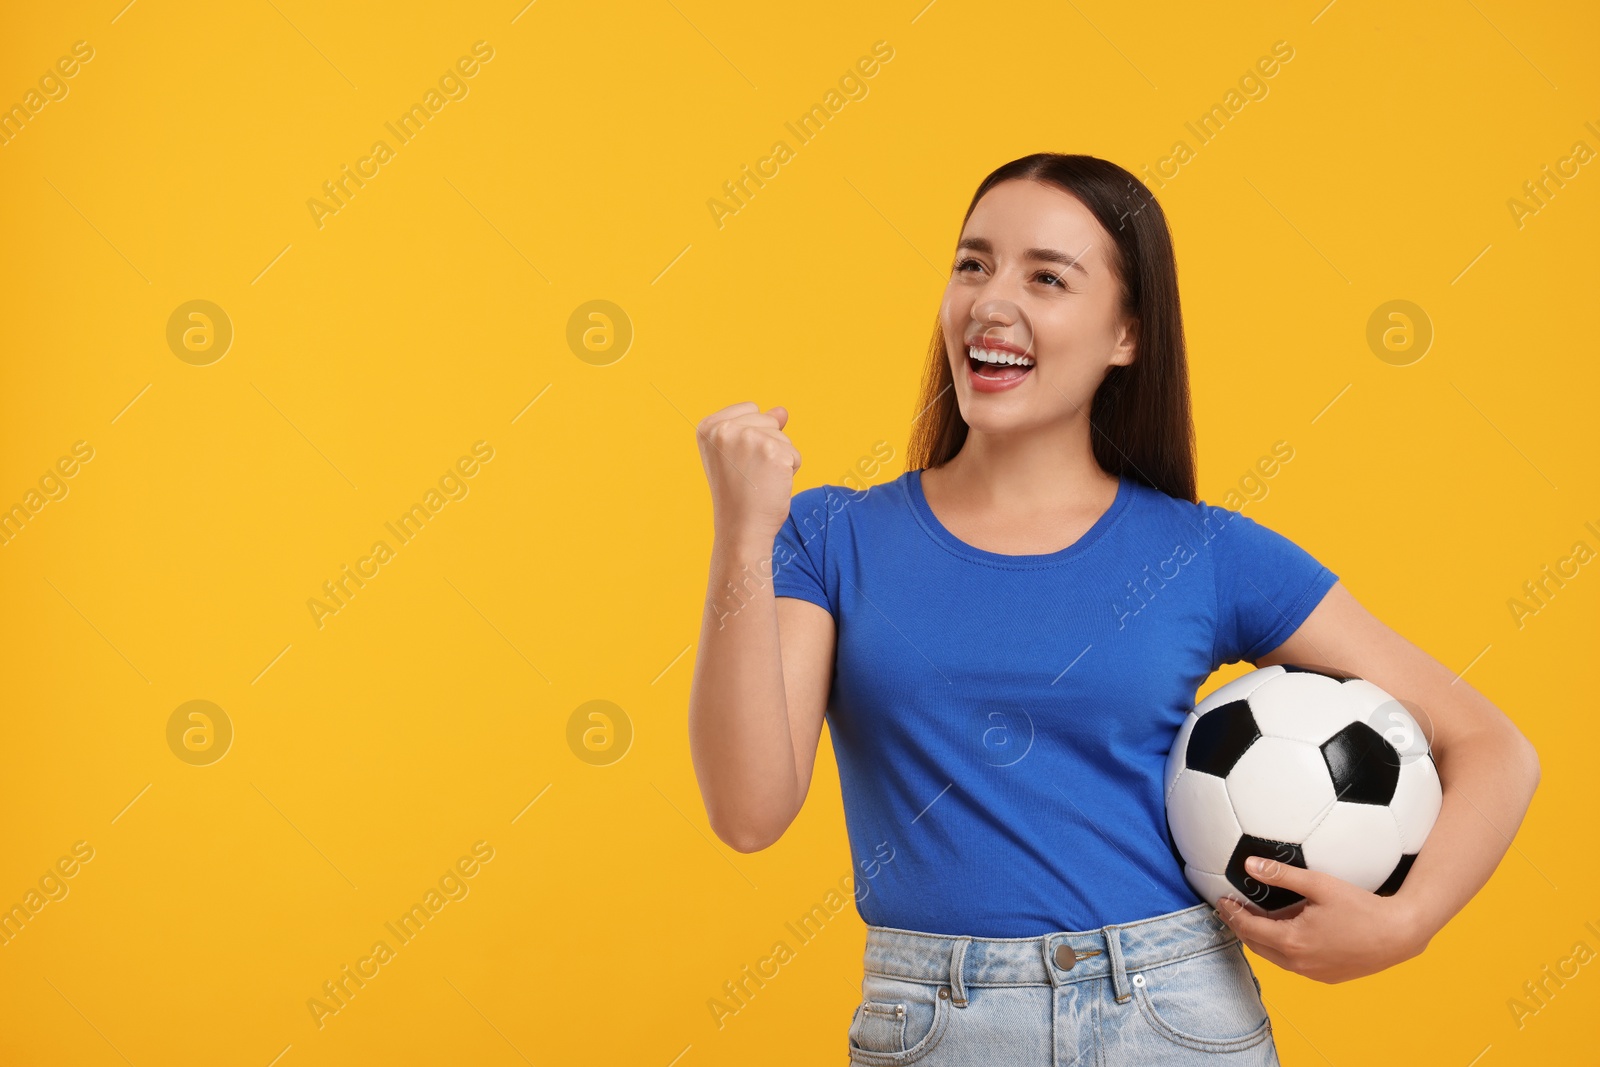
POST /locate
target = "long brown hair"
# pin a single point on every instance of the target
(1141, 426)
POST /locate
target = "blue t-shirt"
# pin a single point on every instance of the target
(1001, 723)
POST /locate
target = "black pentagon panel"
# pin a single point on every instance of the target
(1295, 668)
(1220, 737)
(1264, 896)
(1398, 875)
(1365, 767)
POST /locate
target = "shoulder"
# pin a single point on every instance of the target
(1221, 533)
(1196, 523)
(1207, 522)
(821, 504)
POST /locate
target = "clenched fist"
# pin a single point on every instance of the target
(750, 466)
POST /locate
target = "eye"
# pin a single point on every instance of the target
(1052, 279)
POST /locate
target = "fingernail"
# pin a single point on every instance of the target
(1255, 864)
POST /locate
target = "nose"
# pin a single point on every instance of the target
(996, 310)
(1003, 320)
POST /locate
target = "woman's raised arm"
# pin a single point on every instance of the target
(764, 665)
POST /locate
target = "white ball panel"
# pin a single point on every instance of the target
(1213, 887)
(1304, 707)
(1238, 689)
(1280, 789)
(1417, 799)
(1202, 820)
(1365, 698)
(1356, 842)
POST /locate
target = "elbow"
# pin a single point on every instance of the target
(751, 844)
(1524, 756)
(1524, 749)
(745, 839)
(747, 835)
(1518, 751)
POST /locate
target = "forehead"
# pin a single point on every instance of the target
(1021, 214)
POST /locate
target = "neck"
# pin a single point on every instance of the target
(1025, 472)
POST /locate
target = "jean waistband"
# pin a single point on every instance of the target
(1050, 959)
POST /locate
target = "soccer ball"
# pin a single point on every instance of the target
(1317, 770)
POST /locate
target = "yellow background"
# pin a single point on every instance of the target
(433, 309)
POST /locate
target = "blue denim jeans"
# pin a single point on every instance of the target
(1170, 989)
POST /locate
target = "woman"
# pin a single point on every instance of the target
(1004, 641)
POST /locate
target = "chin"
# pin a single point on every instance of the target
(989, 421)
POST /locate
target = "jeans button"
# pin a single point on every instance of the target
(1065, 957)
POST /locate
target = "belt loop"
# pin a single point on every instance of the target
(958, 959)
(1119, 973)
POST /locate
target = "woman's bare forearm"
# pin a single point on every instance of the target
(739, 735)
(1489, 779)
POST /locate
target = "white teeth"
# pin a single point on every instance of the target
(990, 355)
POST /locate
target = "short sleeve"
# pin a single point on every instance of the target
(1266, 584)
(799, 552)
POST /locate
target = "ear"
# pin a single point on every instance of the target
(1127, 344)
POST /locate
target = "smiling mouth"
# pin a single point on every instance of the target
(997, 365)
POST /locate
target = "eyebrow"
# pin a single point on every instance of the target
(1049, 255)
